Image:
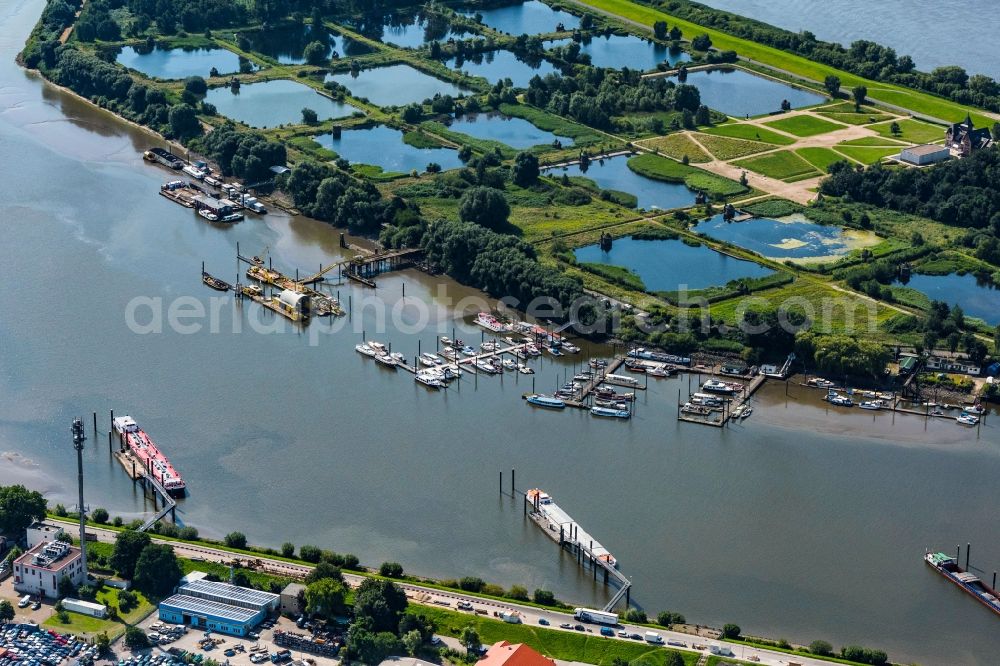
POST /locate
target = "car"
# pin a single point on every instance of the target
(253, 635)
(542, 621)
(565, 625)
(230, 652)
(435, 640)
(463, 605)
(607, 631)
(579, 627)
(258, 657)
(36, 605)
(635, 637)
(622, 633)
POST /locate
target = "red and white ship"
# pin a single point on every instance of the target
(155, 462)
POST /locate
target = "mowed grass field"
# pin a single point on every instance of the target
(916, 101)
(781, 165)
(829, 309)
(856, 119)
(563, 645)
(727, 148)
(805, 125)
(750, 133)
(872, 141)
(914, 131)
(821, 158)
(678, 146)
(867, 155)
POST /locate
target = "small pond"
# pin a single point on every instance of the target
(395, 85)
(515, 132)
(794, 237)
(666, 265)
(179, 63)
(618, 51)
(976, 297)
(498, 65)
(528, 18)
(273, 103)
(614, 174)
(384, 147)
(416, 32)
(739, 93)
(287, 44)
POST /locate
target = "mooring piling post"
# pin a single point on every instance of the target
(512, 472)
(968, 547)
(95, 424)
(112, 418)
(110, 450)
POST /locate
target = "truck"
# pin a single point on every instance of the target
(596, 616)
(654, 638)
(511, 617)
(720, 650)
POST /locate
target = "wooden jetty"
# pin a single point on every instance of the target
(729, 405)
(364, 267)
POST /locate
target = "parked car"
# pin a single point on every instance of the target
(542, 621)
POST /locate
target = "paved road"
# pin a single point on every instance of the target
(448, 599)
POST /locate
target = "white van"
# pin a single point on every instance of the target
(653, 637)
(25, 600)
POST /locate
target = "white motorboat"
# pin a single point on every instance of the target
(509, 364)
(364, 349)
(525, 369)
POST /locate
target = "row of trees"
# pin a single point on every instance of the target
(594, 96)
(862, 57)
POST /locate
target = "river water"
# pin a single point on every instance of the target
(933, 32)
(799, 523)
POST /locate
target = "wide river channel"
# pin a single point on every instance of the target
(800, 522)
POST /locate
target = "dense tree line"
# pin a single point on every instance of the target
(864, 58)
(963, 193)
(245, 154)
(593, 96)
(335, 196)
(190, 15)
(56, 16)
(499, 264)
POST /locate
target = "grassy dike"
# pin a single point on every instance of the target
(918, 102)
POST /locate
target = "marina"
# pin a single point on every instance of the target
(243, 452)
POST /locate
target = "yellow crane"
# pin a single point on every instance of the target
(262, 258)
(317, 276)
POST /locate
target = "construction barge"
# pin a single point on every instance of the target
(966, 581)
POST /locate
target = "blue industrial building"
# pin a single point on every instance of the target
(221, 607)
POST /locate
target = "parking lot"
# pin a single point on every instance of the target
(233, 650)
(24, 614)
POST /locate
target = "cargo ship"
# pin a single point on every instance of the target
(143, 448)
(948, 567)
